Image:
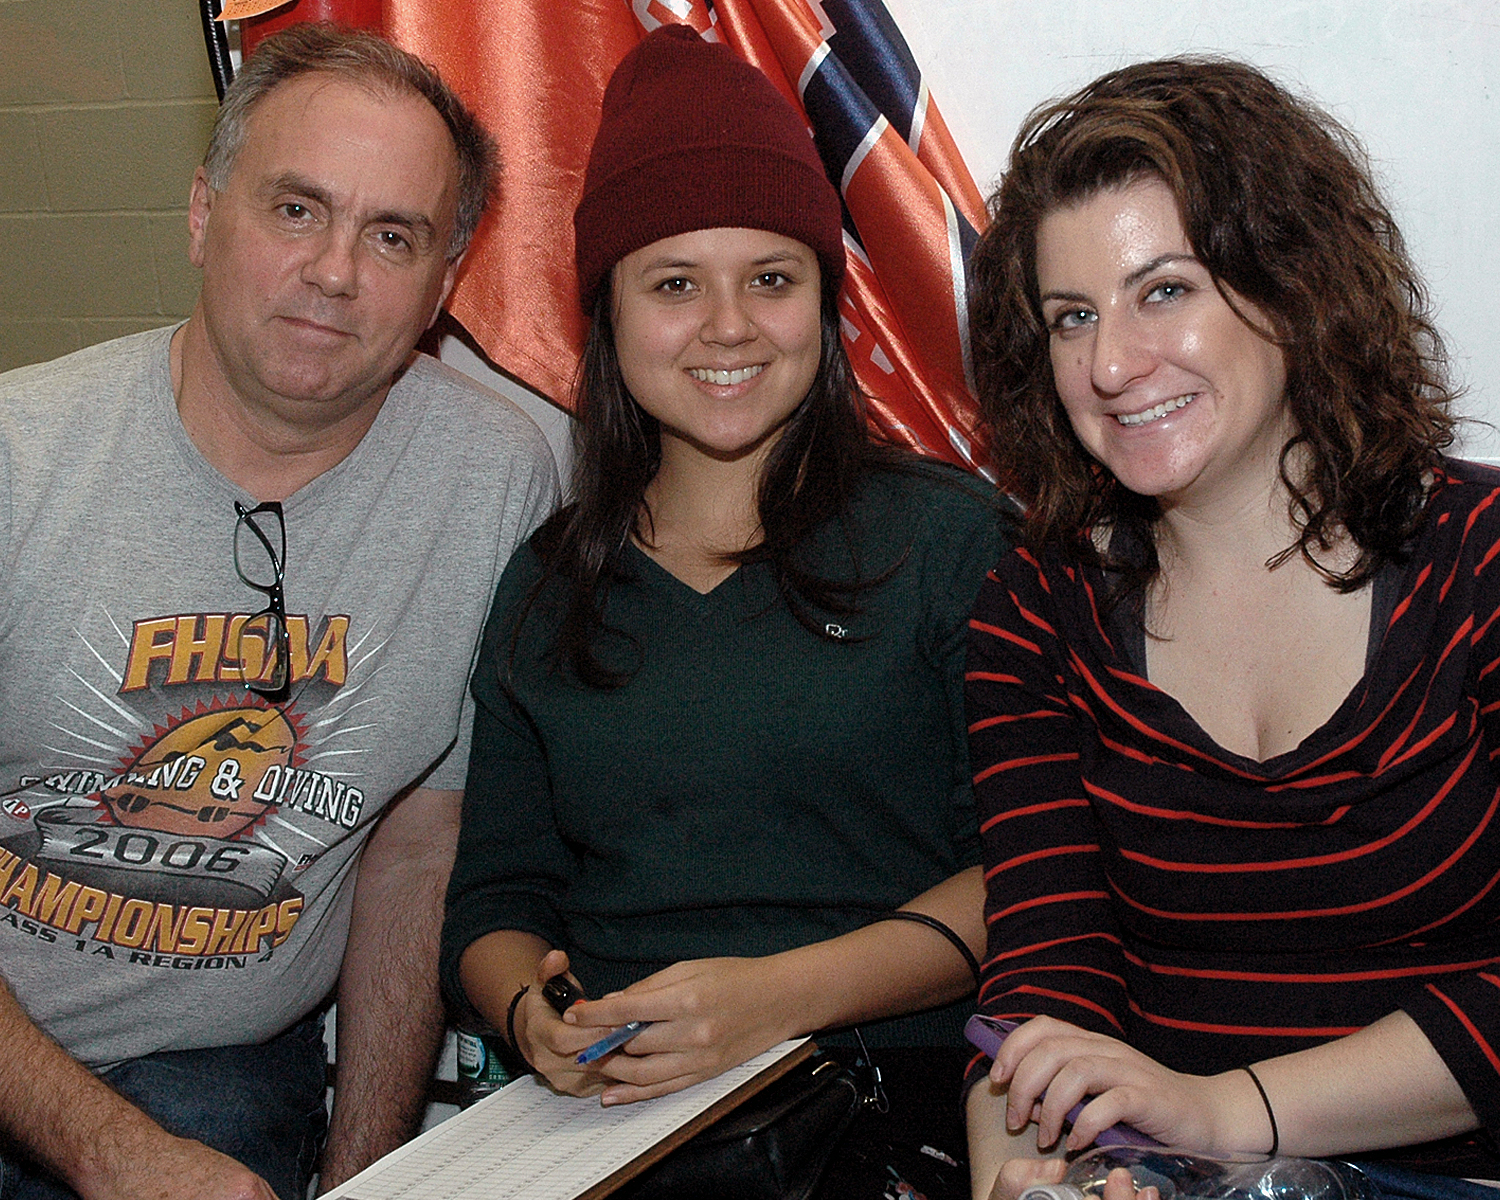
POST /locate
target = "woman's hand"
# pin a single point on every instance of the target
(549, 1044)
(1018, 1174)
(1211, 1114)
(707, 1015)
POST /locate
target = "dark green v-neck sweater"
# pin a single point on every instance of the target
(753, 787)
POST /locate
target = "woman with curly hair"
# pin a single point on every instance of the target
(1232, 703)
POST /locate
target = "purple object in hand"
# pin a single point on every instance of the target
(988, 1034)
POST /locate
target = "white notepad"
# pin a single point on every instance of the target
(528, 1143)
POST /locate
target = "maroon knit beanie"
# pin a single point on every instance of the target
(692, 138)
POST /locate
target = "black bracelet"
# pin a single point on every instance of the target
(510, 1026)
(906, 914)
(1270, 1112)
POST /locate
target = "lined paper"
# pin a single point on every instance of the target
(526, 1142)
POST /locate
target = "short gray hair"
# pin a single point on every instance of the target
(371, 62)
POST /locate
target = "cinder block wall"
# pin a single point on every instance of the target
(105, 107)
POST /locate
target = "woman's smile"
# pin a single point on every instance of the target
(726, 378)
(1155, 413)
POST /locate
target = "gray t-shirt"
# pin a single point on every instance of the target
(177, 855)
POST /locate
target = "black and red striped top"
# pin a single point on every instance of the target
(1214, 910)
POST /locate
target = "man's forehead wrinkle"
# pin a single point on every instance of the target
(378, 90)
(421, 225)
(301, 185)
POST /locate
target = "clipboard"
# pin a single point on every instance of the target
(527, 1142)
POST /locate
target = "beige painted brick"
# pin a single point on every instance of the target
(123, 157)
(163, 52)
(177, 279)
(22, 186)
(60, 50)
(78, 265)
(24, 342)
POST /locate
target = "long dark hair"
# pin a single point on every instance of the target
(1278, 204)
(809, 478)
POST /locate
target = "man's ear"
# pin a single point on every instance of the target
(200, 202)
(450, 275)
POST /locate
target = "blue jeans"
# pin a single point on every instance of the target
(1399, 1183)
(262, 1105)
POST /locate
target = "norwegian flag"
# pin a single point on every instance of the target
(535, 71)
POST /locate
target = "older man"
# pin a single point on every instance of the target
(243, 567)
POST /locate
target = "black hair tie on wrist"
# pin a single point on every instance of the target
(1270, 1112)
(905, 914)
(510, 1026)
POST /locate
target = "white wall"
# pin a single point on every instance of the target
(1415, 79)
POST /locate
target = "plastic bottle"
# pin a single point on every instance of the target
(1181, 1176)
(481, 1069)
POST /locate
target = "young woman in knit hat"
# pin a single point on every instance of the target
(720, 725)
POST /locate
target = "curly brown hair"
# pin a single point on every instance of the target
(1278, 204)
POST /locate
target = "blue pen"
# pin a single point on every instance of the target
(613, 1041)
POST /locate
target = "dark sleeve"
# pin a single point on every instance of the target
(1053, 945)
(1460, 1014)
(975, 529)
(512, 864)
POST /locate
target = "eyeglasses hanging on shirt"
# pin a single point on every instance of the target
(260, 561)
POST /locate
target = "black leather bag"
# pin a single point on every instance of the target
(775, 1146)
